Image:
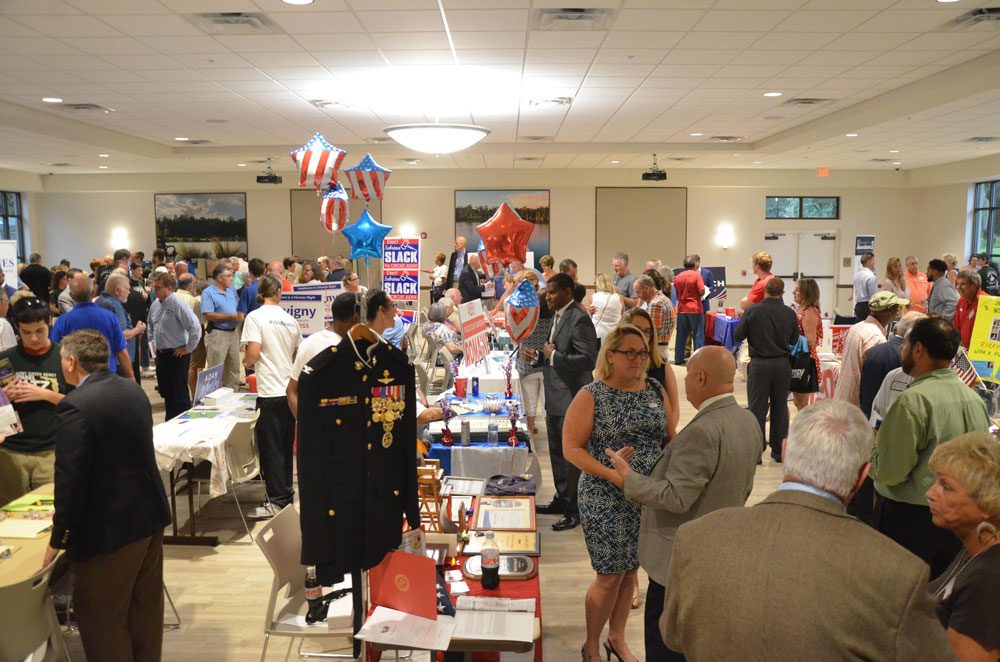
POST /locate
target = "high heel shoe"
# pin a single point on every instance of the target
(609, 650)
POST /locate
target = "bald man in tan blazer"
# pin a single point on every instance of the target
(795, 577)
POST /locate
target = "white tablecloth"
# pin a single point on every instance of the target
(181, 440)
(490, 373)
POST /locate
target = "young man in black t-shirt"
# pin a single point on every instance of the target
(35, 387)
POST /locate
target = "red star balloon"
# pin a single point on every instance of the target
(505, 236)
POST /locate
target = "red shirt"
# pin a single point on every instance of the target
(757, 291)
(689, 286)
(965, 318)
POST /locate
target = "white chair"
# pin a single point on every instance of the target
(281, 542)
(28, 620)
(243, 459)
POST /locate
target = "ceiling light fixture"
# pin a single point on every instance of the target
(897, 163)
(51, 100)
(103, 156)
(103, 167)
(696, 134)
(181, 139)
(297, 2)
(437, 138)
(894, 151)
(241, 165)
(615, 162)
(947, 1)
(757, 162)
(850, 135)
(772, 94)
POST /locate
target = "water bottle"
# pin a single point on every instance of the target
(489, 559)
(492, 437)
(427, 438)
(475, 387)
(314, 595)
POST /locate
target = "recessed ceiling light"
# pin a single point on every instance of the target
(181, 139)
(851, 135)
(947, 1)
(897, 163)
(772, 94)
(737, 155)
(51, 100)
(616, 162)
(757, 162)
(103, 167)
(241, 165)
(695, 134)
(894, 151)
(103, 156)
(297, 2)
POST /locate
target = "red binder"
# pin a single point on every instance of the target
(405, 582)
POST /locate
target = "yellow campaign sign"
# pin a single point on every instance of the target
(984, 346)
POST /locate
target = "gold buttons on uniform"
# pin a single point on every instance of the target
(367, 400)
(331, 512)
(369, 423)
(333, 349)
(369, 446)
(338, 421)
(364, 378)
(395, 493)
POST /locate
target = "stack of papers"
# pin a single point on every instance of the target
(23, 528)
(397, 628)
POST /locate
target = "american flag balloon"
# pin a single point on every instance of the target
(521, 311)
(318, 162)
(334, 211)
(367, 179)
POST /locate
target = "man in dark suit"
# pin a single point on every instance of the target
(469, 283)
(795, 577)
(567, 361)
(456, 263)
(110, 507)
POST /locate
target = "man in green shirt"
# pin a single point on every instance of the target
(32, 379)
(935, 408)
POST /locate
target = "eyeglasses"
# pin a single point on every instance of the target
(631, 354)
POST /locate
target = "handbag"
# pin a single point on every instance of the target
(507, 485)
(804, 377)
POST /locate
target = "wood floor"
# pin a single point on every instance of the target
(221, 592)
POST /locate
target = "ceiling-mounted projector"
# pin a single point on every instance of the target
(655, 173)
(269, 177)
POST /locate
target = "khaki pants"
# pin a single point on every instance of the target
(118, 600)
(23, 472)
(224, 347)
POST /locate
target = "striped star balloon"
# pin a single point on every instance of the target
(367, 179)
(334, 209)
(318, 161)
(521, 311)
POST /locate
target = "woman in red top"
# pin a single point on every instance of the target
(811, 328)
(762, 269)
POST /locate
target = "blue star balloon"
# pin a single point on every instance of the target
(366, 235)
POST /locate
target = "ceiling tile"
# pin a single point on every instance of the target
(36, 46)
(658, 19)
(538, 39)
(907, 20)
(272, 43)
(771, 57)
(748, 71)
(680, 56)
(170, 45)
(110, 46)
(866, 42)
(717, 40)
(120, 7)
(177, 75)
(686, 70)
(292, 59)
(491, 56)
(486, 20)
(253, 85)
(227, 60)
(869, 71)
(907, 57)
(824, 21)
(75, 63)
(481, 40)
(791, 41)
(351, 41)
(112, 76)
(282, 74)
(69, 26)
(139, 62)
(732, 83)
(331, 23)
(559, 55)
(350, 58)
(642, 70)
(630, 56)
(51, 7)
(815, 71)
(648, 39)
(413, 41)
(11, 28)
(422, 58)
(736, 20)
(167, 25)
(828, 57)
(945, 41)
(400, 21)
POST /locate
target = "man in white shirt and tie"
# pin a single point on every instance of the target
(567, 361)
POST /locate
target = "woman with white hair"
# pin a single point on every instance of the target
(438, 332)
(965, 499)
(606, 305)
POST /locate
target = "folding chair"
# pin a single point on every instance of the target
(243, 459)
(28, 620)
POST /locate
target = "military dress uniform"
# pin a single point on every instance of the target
(356, 456)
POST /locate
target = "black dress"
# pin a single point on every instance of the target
(969, 591)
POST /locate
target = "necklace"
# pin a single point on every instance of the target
(948, 585)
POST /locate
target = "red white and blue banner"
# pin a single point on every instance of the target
(401, 268)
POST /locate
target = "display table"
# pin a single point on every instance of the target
(27, 560)
(719, 330)
(490, 373)
(829, 370)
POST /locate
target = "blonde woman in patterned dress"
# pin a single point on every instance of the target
(622, 410)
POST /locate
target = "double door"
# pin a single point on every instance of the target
(806, 255)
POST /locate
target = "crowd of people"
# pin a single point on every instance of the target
(880, 543)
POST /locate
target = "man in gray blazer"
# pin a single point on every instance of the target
(795, 577)
(709, 465)
(567, 361)
(943, 298)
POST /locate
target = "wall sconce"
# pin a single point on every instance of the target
(119, 238)
(725, 236)
(407, 230)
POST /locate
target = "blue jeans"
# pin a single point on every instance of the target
(693, 323)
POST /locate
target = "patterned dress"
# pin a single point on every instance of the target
(610, 523)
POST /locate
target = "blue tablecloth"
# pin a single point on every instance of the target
(723, 331)
(493, 460)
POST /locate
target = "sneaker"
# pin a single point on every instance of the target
(265, 510)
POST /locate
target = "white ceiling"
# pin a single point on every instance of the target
(893, 70)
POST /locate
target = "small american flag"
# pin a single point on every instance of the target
(964, 368)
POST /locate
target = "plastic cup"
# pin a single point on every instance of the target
(460, 385)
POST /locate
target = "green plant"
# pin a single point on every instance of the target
(190, 252)
(226, 249)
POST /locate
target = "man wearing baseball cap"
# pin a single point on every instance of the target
(884, 307)
(989, 281)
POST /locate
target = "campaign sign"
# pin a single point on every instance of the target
(8, 261)
(401, 268)
(307, 309)
(209, 381)
(475, 331)
(329, 291)
(408, 316)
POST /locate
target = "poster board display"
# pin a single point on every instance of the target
(475, 331)
(8, 261)
(307, 309)
(209, 381)
(401, 268)
(838, 332)
(328, 291)
(984, 346)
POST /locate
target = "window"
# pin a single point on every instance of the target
(10, 220)
(802, 207)
(986, 220)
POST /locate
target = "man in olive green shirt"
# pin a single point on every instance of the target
(936, 407)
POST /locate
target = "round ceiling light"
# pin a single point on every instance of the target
(437, 138)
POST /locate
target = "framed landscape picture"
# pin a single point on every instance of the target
(532, 205)
(201, 225)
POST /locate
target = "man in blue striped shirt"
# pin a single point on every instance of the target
(174, 331)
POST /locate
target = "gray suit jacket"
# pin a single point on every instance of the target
(943, 299)
(573, 365)
(709, 465)
(797, 578)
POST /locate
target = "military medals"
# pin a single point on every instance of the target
(387, 408)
